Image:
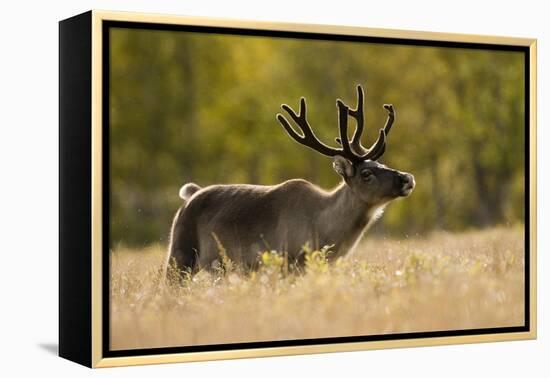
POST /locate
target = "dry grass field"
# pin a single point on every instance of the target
(443, 281)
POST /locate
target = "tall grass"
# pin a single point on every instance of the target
(440, 282)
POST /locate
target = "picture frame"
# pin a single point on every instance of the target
(85, 192)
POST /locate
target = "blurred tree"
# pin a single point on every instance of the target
(201, 107)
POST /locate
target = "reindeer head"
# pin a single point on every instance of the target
(369, 180)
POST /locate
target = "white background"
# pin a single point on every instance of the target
(29, 189)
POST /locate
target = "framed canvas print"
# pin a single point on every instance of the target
(235, 189)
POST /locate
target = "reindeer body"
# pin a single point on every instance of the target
(249, 219)
(244, 220)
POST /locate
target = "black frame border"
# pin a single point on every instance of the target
(107, 25)
(75, 189)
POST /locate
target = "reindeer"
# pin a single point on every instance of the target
(247, 219)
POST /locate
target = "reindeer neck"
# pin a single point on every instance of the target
(343, 219)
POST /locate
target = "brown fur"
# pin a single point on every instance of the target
(249, 219)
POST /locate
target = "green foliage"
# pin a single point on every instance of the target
(272, 258)
(201, 107)
(226, 264)
(316, 261)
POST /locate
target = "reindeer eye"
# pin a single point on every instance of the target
(366, 174)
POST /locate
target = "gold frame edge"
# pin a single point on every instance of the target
(97, 192)
(533, 187)
(98, 16)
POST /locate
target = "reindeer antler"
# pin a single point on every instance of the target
(378, 148)
(308, 138)
(351, 150)
(376, 153)
(357, 113)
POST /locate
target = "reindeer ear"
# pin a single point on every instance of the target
(343, 167)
